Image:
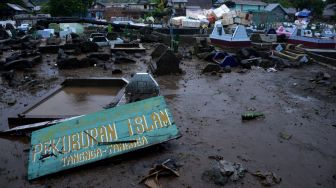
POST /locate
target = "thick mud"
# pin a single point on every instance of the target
(207, 110)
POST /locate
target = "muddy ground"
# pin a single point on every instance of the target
(207, 110)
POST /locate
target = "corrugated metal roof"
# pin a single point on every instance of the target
(202, 3)
(28, 4)
(330, 10)
(249, 2)
(16, 7)
(179, 1)
(332, 5)
(290, 10)
(271, 6)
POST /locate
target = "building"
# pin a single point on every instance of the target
(127, 11)
(329, 11)
(140, 8)
(249, 5)
(97, 11)
(291, 13)
(179, 6)
(203, 4)
(277, 11)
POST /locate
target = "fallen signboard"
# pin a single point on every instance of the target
(100, 135)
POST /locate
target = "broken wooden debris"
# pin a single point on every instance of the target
(267, 178)
(25, 128)
(168, 167)
(223, 172)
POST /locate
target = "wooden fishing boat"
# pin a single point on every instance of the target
(235, 37)
(299, 36)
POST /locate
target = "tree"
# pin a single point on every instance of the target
(68, 7)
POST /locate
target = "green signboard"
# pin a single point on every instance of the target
(100, 135)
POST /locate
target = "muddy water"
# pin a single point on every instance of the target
(76, 100)
(207, 110)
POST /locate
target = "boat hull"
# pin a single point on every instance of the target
(230, 44)
(313, 44)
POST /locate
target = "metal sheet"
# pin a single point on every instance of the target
(88, 139)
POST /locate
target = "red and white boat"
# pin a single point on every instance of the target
(234, 37)
(299, 36)
(286, 31)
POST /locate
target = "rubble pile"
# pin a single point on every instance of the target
(199, 19)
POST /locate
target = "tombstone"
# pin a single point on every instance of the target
(159, 50)
(167, 63)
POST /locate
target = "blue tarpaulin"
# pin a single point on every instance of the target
(229, 61)
(303, 13)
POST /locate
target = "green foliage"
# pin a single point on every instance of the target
(68, 7)
(44, 8)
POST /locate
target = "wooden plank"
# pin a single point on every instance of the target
(100, 135)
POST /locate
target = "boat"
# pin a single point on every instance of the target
(327, 32)
(233, 37)
(285, 31)
(327, 56)
(304, 37)
(269, 37)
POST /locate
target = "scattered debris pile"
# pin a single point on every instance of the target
(202, 47)
(146, 35)
(21, 60)
(267, 178)
(224, 172)
(65, 61)
(3, 33)
(167, 168)
(122, 58)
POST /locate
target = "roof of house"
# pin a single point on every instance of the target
(193, 7)
(331, 5)
(100, 3)
(16, 7)
(206, 4)
(329, 10)
(290, 10)
(143, 2)
(28, 4)
(249, 2)
(270, 7)
(179, 1)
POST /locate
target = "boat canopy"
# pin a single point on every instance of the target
(237, 33)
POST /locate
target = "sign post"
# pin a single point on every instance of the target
(100, 135)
